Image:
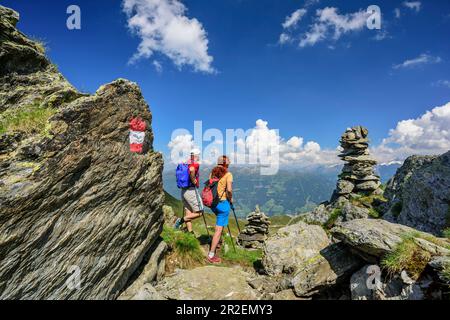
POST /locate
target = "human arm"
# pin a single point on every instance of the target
(192, 175)
(230, 189)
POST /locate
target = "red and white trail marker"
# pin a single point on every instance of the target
(137, 134)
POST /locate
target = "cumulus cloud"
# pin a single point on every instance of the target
(164, 28)
(397, 13)
(261, 145)
(329, 23)
(423, 59)
(428, 134)
(442, 84)
(413, 5)
(293, 19)
(158, 66)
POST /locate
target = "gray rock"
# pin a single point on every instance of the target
(366, 286)
(151, 272)
(378, 237)
(345, 187)
(147, 293)
(421, 189)
(208, 283)
(330, 266)
(351, 212)
(81, 202)
(291, 246)
(256, 230)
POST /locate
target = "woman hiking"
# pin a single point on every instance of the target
(222, 209)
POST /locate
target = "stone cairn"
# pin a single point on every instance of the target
(358, 175)
(255, 233)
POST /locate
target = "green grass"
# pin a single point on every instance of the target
(446, 273)
(397, 209)
(31, 119)
(335, 214)
(374, 213)
(447, 217)
(240, 256)
(408, 256)
(185, 248)
(446, 233)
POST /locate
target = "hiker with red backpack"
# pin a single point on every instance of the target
(188, 176)
(218, 195)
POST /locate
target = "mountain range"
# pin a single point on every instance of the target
(291, 191)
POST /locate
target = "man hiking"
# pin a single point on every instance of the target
(225, 201)
(193, 207)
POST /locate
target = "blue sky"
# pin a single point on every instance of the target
(313, 92)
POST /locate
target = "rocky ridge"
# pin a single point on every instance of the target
(79, 212)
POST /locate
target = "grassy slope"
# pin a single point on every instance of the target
(186, 252)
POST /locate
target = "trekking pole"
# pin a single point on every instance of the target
(235, 217)
(203, 212)
(231, 236)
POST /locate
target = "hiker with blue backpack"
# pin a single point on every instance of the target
(218, 195)
(188, 176)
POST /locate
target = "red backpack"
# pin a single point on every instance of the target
(210, 197)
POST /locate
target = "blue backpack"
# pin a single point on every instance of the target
(182, 175)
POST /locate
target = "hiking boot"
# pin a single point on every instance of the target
(214, 260)
(178, 223)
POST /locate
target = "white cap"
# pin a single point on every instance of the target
(195, 152)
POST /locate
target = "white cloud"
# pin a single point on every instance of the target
(413, 5)
(442, 83)
(158, 66)
(284, 38)
(330, 24)
(426, 135)
(397, 13)
(261, 145)
(293, 19)
(420, 60)
(164, 27)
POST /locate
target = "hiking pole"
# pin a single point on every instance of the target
(235, 217)
(203, 212)
(231, 236)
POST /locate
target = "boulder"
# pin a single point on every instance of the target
(79, 212)
(377, 238)
(286, 250)
(207, 283)
(418, 194)
(330, 266)
(302, 257)
(364, 286)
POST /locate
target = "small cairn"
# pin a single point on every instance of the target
(255, 233)
(358, 175)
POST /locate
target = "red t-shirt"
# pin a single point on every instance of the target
(196, 167)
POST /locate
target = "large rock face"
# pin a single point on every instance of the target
(419, 194)
(73, 199)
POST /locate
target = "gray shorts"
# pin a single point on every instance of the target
(191, 200)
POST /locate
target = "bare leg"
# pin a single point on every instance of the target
(189, 217)
(216, 238)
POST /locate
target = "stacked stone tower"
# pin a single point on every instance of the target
(358, 175)
(256, 230)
